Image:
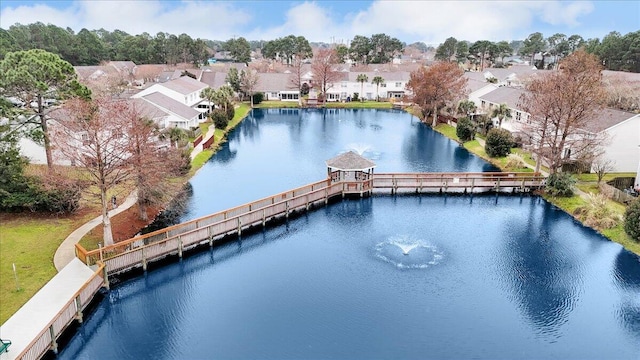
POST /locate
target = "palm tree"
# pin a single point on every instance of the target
(378, 80)
(362, 78)
(209, 95)
(467, 107)
(501, 111)
(175, 135)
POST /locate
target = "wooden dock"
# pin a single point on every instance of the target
(174, 240)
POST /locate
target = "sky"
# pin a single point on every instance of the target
(334, 21)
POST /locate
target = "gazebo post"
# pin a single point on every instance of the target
(354, 171)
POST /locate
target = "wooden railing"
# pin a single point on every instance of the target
(173, 240)
(139, 250)
(458, 182)
(72, 310)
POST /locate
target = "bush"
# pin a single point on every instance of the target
(355, 96)
(632, 220)
(560, 184)
(465, 129)
(499, 142)
(514, 163)
(257, 98)
(219, 118)
(231, 112)
(597, 214)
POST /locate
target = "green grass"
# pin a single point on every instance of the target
(359, 105)
(29, 242)
(607, 177)
(276, 104)
(448, 131)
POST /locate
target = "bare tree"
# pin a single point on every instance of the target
(323, 68)
(93, 136)
(563, 107)
(296, 76)
(436, 87)
(602, 166)
(248, 81)
(152, 161)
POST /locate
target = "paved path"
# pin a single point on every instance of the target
(198, 149)
(33, 317)
(67, 250)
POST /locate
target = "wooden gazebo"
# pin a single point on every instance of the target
(354, 171)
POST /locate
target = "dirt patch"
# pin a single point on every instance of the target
(127, 224)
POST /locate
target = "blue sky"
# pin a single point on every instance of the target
(409, 21)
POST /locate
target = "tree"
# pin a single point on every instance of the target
(462, 51)
(248, 81)
(435, 86)
(446, 50)
(377, 80)
(209, 95)
(223, 98)
(362, 78)
(558, 47)
(499, 142)
(93, 136)
(360, 49)
(602, 166)
(467, 108)
(533, 44)
(384, 48)
(503, 50)
(342, 52)
(465, 130)
(175, 135)
(323, 70)
(501, 112)
(33, 76)
(233, 79)
(480, 48)
(632, 220)
(563, 106)
(151, 165)
(239, 49)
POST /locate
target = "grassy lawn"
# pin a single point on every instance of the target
(29, 242)
(448, 131)
(276, 104)
(359, 105)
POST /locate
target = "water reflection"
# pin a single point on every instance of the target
(626, 275)
(543, 277)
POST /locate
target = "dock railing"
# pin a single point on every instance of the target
(72, 310)
(173, 240)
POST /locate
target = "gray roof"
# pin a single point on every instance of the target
(391, 76)
(147, 109)
(273, 82)
(185, 85)
(168, 104)
(504, 95)
(214, 79)
(350, 161)
(608, 118)
(474, 85)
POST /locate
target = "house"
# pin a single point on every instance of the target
(393, 87)
(184, 91)
(620, 128)
(278, 86)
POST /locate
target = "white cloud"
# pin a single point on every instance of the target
(428, 21)
(206, 19)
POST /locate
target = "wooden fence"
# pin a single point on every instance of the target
(72, 310)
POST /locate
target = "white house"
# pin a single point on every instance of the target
(176, 97)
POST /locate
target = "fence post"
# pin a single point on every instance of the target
(239, 227)
(144, 260)
(105, 275)
(286, 209)
(54, 343)
(78, 309)
(179, 246)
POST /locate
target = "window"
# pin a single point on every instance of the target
(344, 84)
(518, 116)
(383, 85)
(483, 103)
(398, 84)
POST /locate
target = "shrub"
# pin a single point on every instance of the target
(632, 220)
(499, 142)
(257, 98)
(597, 214)
(231, 111)
(219, 118)
(515, 162)
(560, 184)
(465, 129)
(355, 96)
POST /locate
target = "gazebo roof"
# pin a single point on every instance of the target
(350, 161)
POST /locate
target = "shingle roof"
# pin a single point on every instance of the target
(185, 85)
(268, 82)
(608, 118)
(350, 161)
(168, 104)
(214, 79)
(504, 95)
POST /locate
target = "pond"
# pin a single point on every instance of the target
(407, 277)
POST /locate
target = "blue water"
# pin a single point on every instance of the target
(484, 277)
